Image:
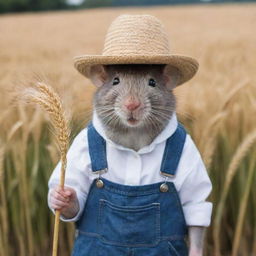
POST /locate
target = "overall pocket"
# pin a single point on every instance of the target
(129, 225)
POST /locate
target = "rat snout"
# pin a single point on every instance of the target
(131, 103)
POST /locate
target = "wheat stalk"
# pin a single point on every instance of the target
(242, 210)
(233, 93)
(208, 137)
(232, 169)
(45, 96)
(3, 204)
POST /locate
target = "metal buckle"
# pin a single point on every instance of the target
(164, 187)
(101, 171)
(99, 182)
(167, 174)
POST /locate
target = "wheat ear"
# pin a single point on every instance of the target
(45, 96)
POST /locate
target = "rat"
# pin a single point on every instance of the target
(134, 104)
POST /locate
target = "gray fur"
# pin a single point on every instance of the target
(158, 103)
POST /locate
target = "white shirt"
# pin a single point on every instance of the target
(140, 168)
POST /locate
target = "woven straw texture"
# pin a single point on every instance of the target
(137, 39)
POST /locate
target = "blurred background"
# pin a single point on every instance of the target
(40, 5)
(38, 40)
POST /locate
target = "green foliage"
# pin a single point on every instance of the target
(44, 5)
(31, 5)
(97, 3)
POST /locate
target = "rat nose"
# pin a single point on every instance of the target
(131, 104)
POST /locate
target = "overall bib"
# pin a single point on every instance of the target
(123, 220)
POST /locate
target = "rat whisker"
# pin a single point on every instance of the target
(151, 122)
(161, 114)
(162, 108)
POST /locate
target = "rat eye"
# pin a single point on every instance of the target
(152, 82)
(116, 81)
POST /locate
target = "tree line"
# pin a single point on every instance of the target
(44, 5)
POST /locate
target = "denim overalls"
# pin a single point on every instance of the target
(123, 220)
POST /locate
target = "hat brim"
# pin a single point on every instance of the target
(187, 66)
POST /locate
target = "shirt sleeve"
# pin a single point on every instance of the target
(195, 188)
(76, 177)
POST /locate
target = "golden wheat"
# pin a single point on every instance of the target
(231, 171)
(217, 106)
(3, 205)
(242, 211)
(44, 96)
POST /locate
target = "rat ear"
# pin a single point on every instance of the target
(98, 75)
(171, 76)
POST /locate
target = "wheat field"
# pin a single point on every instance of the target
(218, 108)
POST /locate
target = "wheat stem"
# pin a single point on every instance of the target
(233, 166)
(242, 210)
(44, 96)
(3, 205)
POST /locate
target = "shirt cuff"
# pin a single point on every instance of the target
(198, 214)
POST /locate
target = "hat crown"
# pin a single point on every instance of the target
(136, 35)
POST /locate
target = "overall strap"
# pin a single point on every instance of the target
(173, 150)
(97, 150)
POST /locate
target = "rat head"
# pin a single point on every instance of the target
(134, 96)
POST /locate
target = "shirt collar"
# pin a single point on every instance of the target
(165, 134)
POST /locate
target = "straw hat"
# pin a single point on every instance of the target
(137, 39)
